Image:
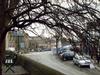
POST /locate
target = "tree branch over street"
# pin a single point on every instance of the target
(74, 17)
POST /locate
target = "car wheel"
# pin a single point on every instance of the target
(79, 65)
(74, 63)
(64, 58)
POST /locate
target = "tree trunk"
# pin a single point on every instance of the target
(2, 32)
(4, 20)
(2, 52)
(57, 40)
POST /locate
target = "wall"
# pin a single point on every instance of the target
(35, 68)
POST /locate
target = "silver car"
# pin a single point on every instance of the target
(81, 60)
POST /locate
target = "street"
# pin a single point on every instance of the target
(66, 67)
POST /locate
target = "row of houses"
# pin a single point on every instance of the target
(20, 41)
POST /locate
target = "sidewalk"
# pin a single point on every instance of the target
(95, 64)
(97, 67)
(18, 70)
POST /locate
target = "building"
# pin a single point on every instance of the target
(10, 42)
(41, 43)
(26, 42)
(17, 40)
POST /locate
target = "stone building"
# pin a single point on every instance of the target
(17, 40)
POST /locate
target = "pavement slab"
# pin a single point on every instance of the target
(18, 70)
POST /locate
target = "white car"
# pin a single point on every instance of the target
(81, 60)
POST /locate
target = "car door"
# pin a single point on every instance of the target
(75, 60)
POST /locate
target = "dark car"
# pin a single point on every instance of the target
(46, 49)
(67, 55)
(60, 50)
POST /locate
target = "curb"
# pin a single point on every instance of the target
(98, 68)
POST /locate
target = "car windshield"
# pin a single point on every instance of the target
(82, 58)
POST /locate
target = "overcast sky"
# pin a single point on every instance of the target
(41, 29)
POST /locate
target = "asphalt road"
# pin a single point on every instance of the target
(66, 67)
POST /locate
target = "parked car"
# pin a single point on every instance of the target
(81, 60)
(61, 50)
(46, 49)
(68, 54)
(57, 51)
(11, 49)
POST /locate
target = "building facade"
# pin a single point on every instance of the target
(17, 40)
